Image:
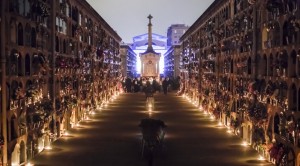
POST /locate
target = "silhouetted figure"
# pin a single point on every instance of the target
(165, 85)
(149, 90)
(128, 85)
(136, 86)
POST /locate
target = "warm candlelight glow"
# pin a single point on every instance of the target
(29, 164)
(261, 158)
(244, 143)
(229, 131)
(48, 147)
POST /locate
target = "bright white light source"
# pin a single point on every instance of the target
(29, 164)
(261, 158)
(229, 131)
(220, 123)
(48, 147)
(244, 143)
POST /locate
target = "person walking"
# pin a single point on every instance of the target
(165, 85)
(128, 85)
(149, 90)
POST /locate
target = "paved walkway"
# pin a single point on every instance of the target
(112, 138)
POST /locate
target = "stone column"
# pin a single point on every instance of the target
(149, 32)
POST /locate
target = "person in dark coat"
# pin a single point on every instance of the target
(149, 90)
(128, 84)
(136, 86)
(165, 85)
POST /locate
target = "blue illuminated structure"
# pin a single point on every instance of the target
(159, 45)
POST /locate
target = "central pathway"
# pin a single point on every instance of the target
(112, 138)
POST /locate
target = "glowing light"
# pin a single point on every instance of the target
(93, 113)
(195, 103)
(212, 117)
(261, 158)
(150, 111)
(200, 108)
(142, 49)
(229, 131)
(48, 147)
(66, 134)
(29, 164)
(40, 148)
(245, 144)
(220, 123)
(205, 113)
(77, 125)
(150, 105)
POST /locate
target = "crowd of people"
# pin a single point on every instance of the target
(134, 85)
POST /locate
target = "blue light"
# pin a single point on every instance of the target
(161, 61)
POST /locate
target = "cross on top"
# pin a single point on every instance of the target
(150, 17)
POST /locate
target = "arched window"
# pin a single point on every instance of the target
(289, 33)
(13, 89)
(271, 65)
(14, 134)
(33, 37)
(249, 66)
(20, 34)
(56, 44)
(276, 35)
(27, 35)
(13, 62)
(292, 62)
(293, 98)
(20, 71)
(283, 61)
(265, 65)
(27, 65)
(258, 64)
(13, 32)
(64, 46)
(291, 6)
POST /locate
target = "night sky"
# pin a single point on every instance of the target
(129, 17)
